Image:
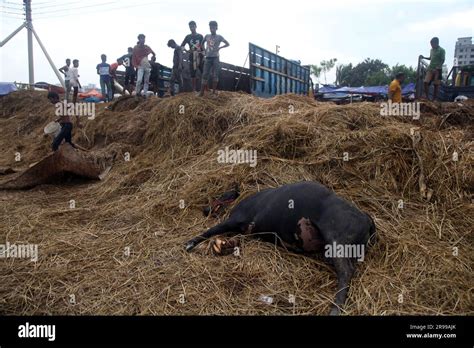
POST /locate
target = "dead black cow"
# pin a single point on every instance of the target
(305, 217)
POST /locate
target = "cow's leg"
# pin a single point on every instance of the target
(224, 227)
(344, 270)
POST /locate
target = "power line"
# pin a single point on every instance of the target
(89, 12)
(12, 8)
(62, 4)
(12, 3)
(12, 17)
(76, 8)
(45, 2)
(56, 5)
(14, 13)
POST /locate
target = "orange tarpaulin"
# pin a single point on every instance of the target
(91, 93)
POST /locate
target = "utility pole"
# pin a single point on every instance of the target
(28, 24)
(29, 27)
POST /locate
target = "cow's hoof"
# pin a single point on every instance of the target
(190, 246)
(335, 311)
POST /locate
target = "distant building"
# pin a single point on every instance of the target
(445, 70)
(464, 51)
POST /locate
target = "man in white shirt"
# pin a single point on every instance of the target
(74, 78)
(67, 78)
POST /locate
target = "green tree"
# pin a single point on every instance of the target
(343, 73)
(378, 78)
(410, 72)
(327, 65)
(371, 72)
(324, 67)
(316, 71)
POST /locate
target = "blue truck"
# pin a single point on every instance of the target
(268, 75)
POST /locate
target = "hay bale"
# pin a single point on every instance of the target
(121, 250)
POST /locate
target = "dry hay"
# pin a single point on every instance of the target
(173, 157)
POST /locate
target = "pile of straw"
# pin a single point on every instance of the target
(120, 250)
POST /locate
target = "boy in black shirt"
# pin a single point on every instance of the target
(155, 77)
(176, 74)
(195, 56)
(129, 70)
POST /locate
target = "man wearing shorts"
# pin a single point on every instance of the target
(195, 58)
(212, 46)
(434, 72)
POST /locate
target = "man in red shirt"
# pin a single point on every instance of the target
(113, 73)
(140, 61)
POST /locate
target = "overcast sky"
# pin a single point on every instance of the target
(307, 30)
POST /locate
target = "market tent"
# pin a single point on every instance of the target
(371, 90)
(7, 88)
(92, 93)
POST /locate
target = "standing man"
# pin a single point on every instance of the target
(195, 56)
(140, 61)
(176, 74)
(435, 69)
(212, 46)
(155, 77)
(129, 70)
(103, 69)
(395, 88)
(113, 73)
(75, 84)
(67, 79)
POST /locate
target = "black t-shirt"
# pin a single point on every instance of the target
(127, 60)
(155, 71)
(194, 41)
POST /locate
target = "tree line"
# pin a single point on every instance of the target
(370, 72)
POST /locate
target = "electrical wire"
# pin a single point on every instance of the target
(89, 12)
(76, 8)
(13, 13)
(55, 5)
(12, 3)
(12, 8)
(12, 18)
